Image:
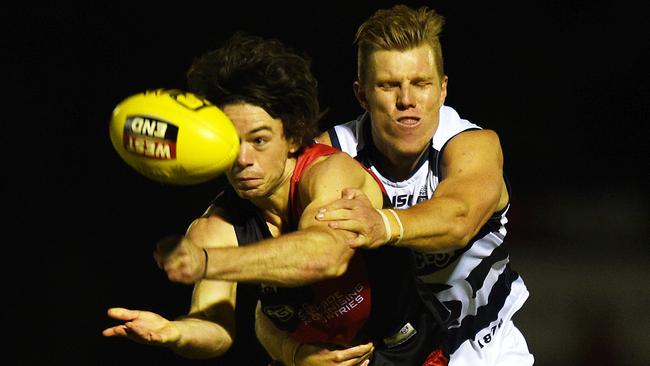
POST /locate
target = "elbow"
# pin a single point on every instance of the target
(204, 354)
(214, 343)
(463, 238)
(462, 227)
(462, 232)
(217, 349)
(458, 235)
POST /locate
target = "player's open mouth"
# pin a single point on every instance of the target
(408, 121)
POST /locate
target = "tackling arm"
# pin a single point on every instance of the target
(472, 189)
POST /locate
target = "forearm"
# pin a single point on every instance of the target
(439, 224)
(279, 344)
(294, 259)
(200, 339)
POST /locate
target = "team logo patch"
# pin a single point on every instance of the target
(280, 312)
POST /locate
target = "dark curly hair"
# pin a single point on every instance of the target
(265, 73)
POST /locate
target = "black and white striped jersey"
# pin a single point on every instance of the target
(475, 283)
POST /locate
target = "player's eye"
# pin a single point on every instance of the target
(387, 85)
(259, 141)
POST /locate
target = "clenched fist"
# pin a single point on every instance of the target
(183, 261)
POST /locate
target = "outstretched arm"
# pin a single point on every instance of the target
(208, 329)
(313, 253)
(472, 189)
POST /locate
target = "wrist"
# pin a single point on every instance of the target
(392, 226)
(294, 353)
(288, 350)
(399, 230)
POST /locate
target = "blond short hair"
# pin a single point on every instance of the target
(399, 28)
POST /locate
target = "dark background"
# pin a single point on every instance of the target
(565, 84)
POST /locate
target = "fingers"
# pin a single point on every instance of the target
(123, 314)
(178, 271)
(357, 351)
(329, 214)
(117, 331)
(350, 198)
(354, 356)
(352, 193)
(141, 333)
(354, 226)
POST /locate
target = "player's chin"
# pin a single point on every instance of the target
(248, 192)
(410, 144)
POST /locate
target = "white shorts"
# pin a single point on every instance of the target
(506, 348)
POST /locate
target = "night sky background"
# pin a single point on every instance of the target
(564, 83)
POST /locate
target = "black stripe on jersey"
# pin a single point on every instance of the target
(434, 287)
(334, 138)
(477, 276)
(486, 314)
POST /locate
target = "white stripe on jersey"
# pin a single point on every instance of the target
(476, 284)
(460, 270)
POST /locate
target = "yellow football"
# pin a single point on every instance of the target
(173, 136)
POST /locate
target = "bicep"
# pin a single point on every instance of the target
(325, 182)
(472, 170)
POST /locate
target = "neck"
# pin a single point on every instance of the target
(394, 165)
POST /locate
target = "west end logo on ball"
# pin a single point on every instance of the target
(150, 138)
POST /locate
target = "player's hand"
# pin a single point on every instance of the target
(354, 212)
(315, 355)
(183, 261)
(142, 327)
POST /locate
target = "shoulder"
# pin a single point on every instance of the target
(450, 125)
(333, 165)
(476, 138)
(475, 148)
(212, 229)
(329, 175)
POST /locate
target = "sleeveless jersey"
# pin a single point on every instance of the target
(476, 283)
(375, 300)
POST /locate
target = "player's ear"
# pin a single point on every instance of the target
(443, 89)
(294, 146)
(360, 94)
